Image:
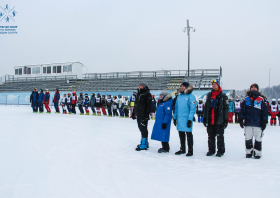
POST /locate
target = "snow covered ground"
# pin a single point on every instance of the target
(73, 156)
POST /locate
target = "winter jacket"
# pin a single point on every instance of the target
(109, 101)
(86, 103)
(97, 101)
(132, 100)
(74, 99)
(115, 103)
(143, 103)
(126, 104)
(237, 106)
(164, 115)
(56, 97)
(47, 98)
(199, 109)
(220, 109)
(68, 100)
(120, 103)
(104, 102)
(35, 96)
(154, 105)
(81, 100)
(185, 107)
(230, 107)
(92, 101)
(41, 97)
(253, 110)
(31, 97)
(63, 101)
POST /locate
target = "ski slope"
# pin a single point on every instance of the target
(73, 156)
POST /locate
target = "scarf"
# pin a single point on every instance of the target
(215, 103)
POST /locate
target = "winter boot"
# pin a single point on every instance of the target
(209, 153)
(219, 154)
(201, 119)
(181, 151)
(162, 150)
(249, 155)
(143, 145)
(198, 119)
(94, 114)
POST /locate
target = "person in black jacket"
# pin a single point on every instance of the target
(255, 113)
(215, 118)
(34, 98)
(142, 109)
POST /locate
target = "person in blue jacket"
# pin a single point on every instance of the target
(254, 116)
(230, 111)
(185, 107)
(161, 130)
(35, 97)
(41, 101)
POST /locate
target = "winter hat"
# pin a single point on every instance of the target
(256, 85)
(216, 81)
(164, 92)
(143, 84)
(86, 94)
(185, 84)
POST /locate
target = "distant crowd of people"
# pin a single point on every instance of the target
(215, 114)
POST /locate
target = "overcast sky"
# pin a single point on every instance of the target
(242, 36)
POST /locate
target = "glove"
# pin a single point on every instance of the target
(164, 125)
(263, 125)
(189, 124)
(241, 123)
(175, 122)
(225, 124)
(204, 123)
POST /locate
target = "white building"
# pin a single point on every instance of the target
(52, 70)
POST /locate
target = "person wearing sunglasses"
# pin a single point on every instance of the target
(215, 118)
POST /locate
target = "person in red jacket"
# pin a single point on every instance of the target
(273, 111)
(73, 102)
(47, 101)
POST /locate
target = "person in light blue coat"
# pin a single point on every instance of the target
(185, 106)
(161, 129)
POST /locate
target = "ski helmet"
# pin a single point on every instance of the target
(73, 92)
(273, 100)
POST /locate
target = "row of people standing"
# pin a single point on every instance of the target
(253, 117)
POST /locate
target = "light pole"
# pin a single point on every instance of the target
(269, 81)
(188, 28)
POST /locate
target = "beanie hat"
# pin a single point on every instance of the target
(143, 84)
(255, 85)
(164, 92)
(185, 84)
(216, 81)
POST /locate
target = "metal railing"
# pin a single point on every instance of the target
(42, 78)
(153, 74)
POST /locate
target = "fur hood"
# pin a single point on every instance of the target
(247, 93)
(187, 91)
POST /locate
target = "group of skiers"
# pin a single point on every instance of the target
(252, 115)
(215, 114)
(116, 106)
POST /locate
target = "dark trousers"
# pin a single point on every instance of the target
(109, 109)
(236, 117)
(92, 108)
(35, 105)
(143, 127)
(182, 136)
(165, 146)
(126, 112)
(81, 108)
(213, 131)
(56, 107)
(73, 108)
(115, 112)
(41, 107)
(69, 108)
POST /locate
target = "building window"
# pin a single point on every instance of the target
(19, 71)
(24, 70)
(44, 70)
(54, 69)
(33, 70)
(37, 70)
(16, 71)
(69, 68)
(49, 70)
(58, 69)
(28, 70)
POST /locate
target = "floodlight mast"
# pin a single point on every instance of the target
(188, 28)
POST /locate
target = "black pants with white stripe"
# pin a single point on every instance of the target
(143, 126)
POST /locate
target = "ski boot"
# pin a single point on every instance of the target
(94, 114)
(219, 154)
(143, 145)
(162, 150)
(181, 151)
(209, 153)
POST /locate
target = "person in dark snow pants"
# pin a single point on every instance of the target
(35, 97)
(185, 107)
(142, 109)
(56, 100)
(41, 101)
(215, 118)
(161, 129)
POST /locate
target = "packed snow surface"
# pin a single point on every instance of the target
(79, 156)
